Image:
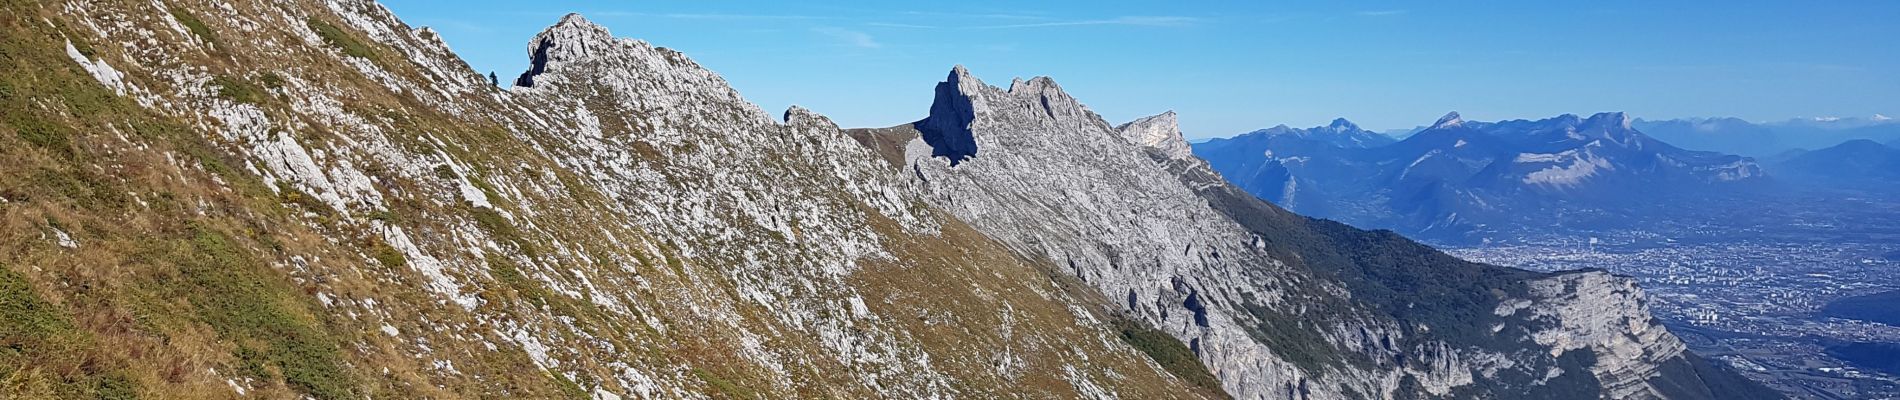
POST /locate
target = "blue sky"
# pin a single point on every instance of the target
(1232, 66)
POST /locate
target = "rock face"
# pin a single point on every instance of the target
(1161, 132)
(1467, 180)
(1275, 305)
(311, 199)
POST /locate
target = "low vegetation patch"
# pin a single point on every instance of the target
(723, 388)
(1292, 339)
(1173, 356)
(237, 90)
(290, 195)
(195, 26)
(341, 39)
(498, 226)
(247, 304)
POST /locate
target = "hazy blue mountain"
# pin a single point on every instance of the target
(1457, 179)
(1340, 133)
(1733, 135)
(1852, 161)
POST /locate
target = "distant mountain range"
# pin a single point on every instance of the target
(1457, 180)
(1855, 161)
(1736, 136)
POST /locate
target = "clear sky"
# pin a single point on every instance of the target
(1233, 66)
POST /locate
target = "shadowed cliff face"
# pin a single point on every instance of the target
(947, 130)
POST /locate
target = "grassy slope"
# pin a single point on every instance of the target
(191, 271)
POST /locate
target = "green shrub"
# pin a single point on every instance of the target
(289, 194)
(194, 25)
(1174, 357)
(1291, 338)
(341, 39)
(271, 80)
(387, 255)
(568, 387)
(498, 226)
(445, 172)
(238, 90)
(40, 132)
(26, 320)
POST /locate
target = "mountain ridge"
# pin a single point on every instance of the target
(1457, 175)
(338, 207)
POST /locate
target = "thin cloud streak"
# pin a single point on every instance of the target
(970, 15)
(1149, 21)
(713, 17)
(900, 25)
(850, 37)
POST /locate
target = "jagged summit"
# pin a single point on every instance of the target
(1450, 119)
(573, 38)
(1342, 125)
(947, 128)
(959, 73)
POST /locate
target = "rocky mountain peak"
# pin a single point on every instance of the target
(1342, 125)
(1450, 119)
(1617, 119)
(572, 39)
(1055, 103)
(1160, 132)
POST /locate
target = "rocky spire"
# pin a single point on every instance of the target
(573, 39)
(947, 129)
(1160, 132)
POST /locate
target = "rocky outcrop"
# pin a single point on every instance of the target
(1161, 132)
(1608, 316)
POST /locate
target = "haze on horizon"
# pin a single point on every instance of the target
(1232, 67)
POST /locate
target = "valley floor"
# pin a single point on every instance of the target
(1753, 302)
